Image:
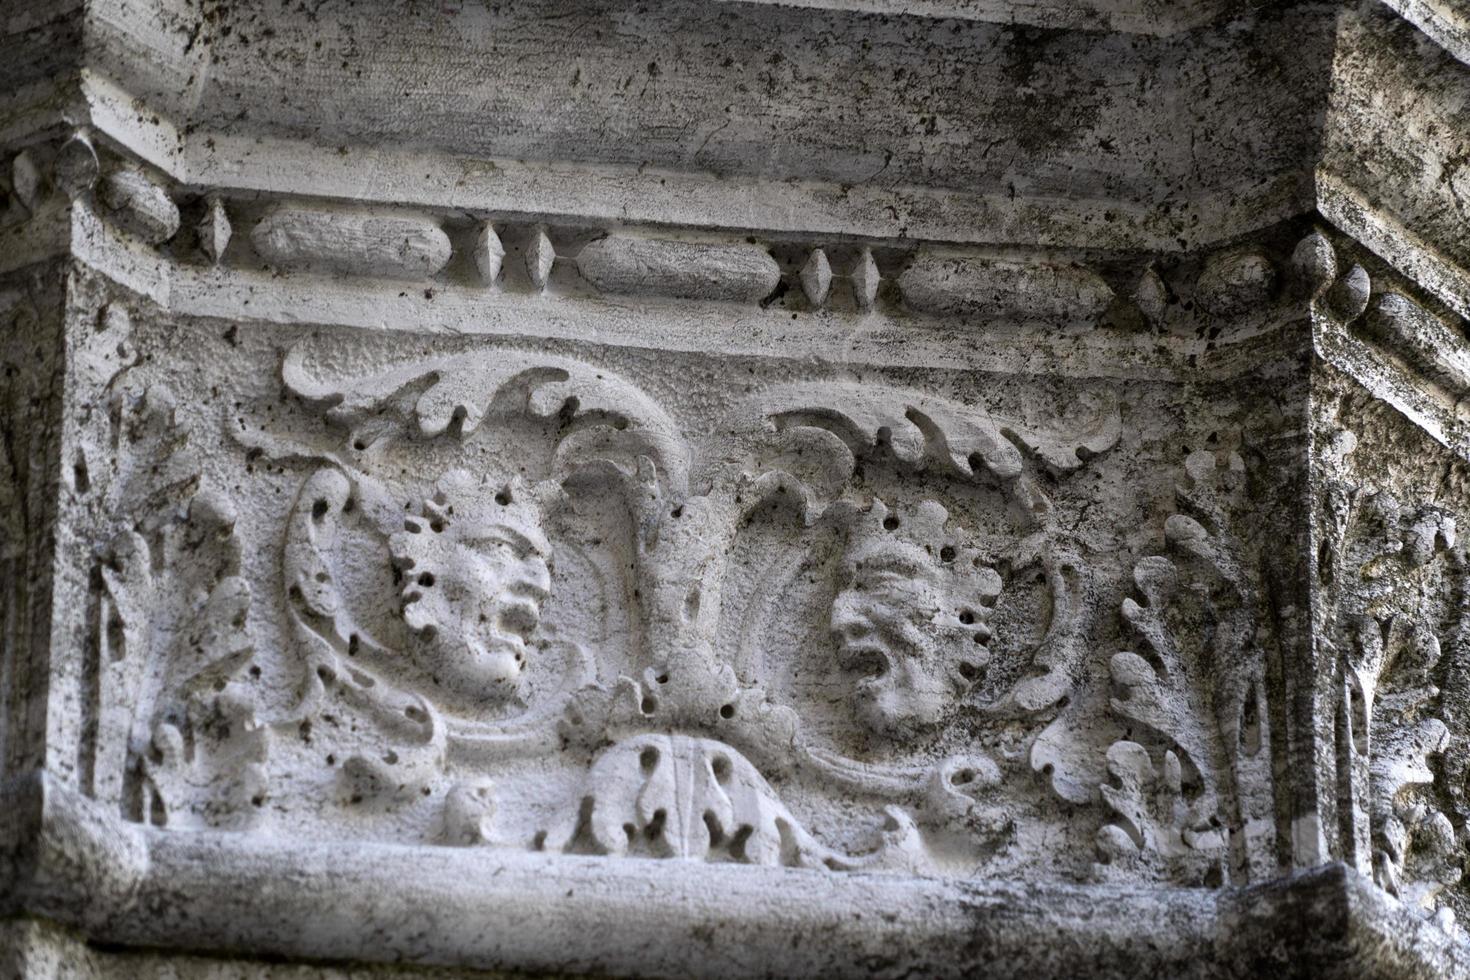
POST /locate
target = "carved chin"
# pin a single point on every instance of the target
(471, 670)
(498, 670)
(892, 711)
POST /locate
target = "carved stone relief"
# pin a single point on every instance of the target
(1393, 645)
(545, 598)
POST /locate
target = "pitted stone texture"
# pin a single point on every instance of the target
(588, 490)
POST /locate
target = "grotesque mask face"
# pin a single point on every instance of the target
(475, 573)
(910, 618)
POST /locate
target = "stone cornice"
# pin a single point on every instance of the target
(958, 161)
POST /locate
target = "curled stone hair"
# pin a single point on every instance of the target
(925, 528)
(466, 508)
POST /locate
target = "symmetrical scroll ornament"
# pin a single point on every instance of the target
(681, 738)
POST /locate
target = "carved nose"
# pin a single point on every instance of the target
(848, 620)
(519, 617)
(535, 579)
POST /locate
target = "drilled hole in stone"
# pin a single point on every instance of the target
(503, 498)
(967, 617)
(712, 827)
(890, 523)
(737, 843)
(648, 759)
(727, 711)
(946, 553)
(649, 705)
(426, 580)
(655, 827)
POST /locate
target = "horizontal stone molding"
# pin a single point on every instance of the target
(1126, 16)
(481, 908)
(661, 196)
(307, 299)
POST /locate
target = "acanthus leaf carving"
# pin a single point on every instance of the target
(1394, 576)
(171, 634)
(676, 796)
(428, 725)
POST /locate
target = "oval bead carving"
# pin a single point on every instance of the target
(398, 246)
(1006, 288)
(690, 270)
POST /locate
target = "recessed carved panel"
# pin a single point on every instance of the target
(596, 600)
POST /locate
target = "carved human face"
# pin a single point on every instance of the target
(911, 622)
(474, 578)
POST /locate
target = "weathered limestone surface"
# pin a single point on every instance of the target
(736, 489)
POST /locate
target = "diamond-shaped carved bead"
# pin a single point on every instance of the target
(816, 277)
(540, 254)
(865, 280)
